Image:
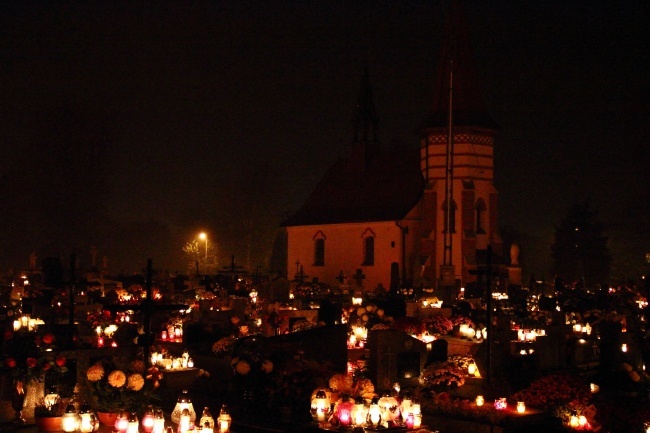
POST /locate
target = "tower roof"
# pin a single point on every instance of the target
(365, 120)
(456, 52)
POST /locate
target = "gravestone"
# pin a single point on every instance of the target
(395, 357)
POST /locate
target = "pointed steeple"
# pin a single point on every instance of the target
(365, 122)
(456, 53)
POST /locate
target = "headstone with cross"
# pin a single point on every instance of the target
(341, 278)
(148, 307)
(359, 277)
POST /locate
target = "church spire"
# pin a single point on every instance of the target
(456, 53)
(365, 146)
(365, 120)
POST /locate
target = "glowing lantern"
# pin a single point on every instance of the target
(148, 420)
(133, 423)
(183, 402)
(70, 419)
(374, 413)
(158, 421)
(51, 398)
(206, 417)
(500, 403)
(359, 413)
(87, 421)
(224, 420)
(521, 407)
(344, 413)
(122, 422)
(389, 408)
(184, 422)
(320, 405)
(480, 400)
(471, 369)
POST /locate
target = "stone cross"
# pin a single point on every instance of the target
(359, 276)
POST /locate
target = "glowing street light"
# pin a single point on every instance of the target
(204, 237)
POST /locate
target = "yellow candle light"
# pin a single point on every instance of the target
(521, 407)
(480, 400)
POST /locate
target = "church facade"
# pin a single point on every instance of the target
(422, 217)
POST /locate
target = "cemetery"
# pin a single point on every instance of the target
(278, 356)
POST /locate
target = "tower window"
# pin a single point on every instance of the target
(449, 220)
(319, 252)
(480, 216)
(369, 251)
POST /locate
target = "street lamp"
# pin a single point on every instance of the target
(204, 237)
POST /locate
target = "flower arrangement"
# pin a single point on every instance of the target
(224, 345)
(438, 324)
(368, 316)
(113, 385)
(43, 409)
(346, 387)
(28, 355)
(410, 325)
(294, 379)
(555, 391)
(443, 375)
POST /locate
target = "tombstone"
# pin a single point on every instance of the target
(439, 351)
(395, 357)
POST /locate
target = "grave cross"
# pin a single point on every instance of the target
(148, 307)
(300, 277)
(341, 277)
(232, 271)
(359, 276)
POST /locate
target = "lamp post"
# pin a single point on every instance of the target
(204, 237)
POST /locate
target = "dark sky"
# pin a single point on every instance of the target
(132, 126)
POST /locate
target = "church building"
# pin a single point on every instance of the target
(419, 217)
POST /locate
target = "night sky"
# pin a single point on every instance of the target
(133, 126)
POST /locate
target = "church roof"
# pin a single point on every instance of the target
(385, 191)
(456, 53)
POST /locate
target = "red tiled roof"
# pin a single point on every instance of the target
(386, 191)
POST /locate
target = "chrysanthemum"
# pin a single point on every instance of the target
(117, 378)
(340, 382)
(95, 373)
(243, 368)
(137, 366)
(267, 366)
(135, 382)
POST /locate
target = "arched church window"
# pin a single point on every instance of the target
(319, 249)
(449, 217)
(480, 216)
(368, 238)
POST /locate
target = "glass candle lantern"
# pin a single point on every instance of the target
(70, 419)
(184, 422)
(206, 418)
(183, 402)
(359, 413)
(87, 420)
(148, 420)
(320, 405)
(158, 421)
(521, 407)
(224, 420)
(374, 413)
(122, 421)
(344, 413)
(389, 408)
(133, 423)
(500, 403)
(480, 400)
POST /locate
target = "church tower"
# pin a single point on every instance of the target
(456, 160)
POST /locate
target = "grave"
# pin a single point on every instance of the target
(395, 357)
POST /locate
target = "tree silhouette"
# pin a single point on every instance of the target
(580, 250)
